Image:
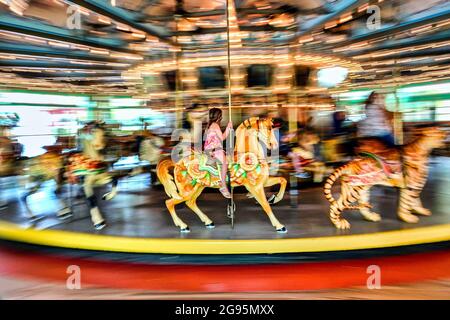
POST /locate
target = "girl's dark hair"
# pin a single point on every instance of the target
(371, 97)
(215, 115)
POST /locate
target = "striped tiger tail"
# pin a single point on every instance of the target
(330, 181)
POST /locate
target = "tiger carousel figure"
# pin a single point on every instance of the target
(248, 168)
(404, 167)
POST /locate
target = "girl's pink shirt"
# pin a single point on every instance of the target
(214, 136)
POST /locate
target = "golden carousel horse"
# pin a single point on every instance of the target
(249, 168)
(405, 167)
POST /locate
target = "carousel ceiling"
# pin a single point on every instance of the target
(98, 46)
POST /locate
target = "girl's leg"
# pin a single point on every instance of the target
(220, 156)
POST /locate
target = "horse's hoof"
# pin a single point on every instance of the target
(272, 198)
(100, 226)
(282, 230)
(65, 216)
(210, 226)
(185, 230)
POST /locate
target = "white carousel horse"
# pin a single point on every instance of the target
(149, 150)
(91, 166)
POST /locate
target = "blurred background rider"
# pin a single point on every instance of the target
(378, 120)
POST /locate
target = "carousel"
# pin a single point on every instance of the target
(143, 84)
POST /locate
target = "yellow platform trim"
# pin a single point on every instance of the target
(86, 241)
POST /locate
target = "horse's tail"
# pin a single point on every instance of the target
(162, 171)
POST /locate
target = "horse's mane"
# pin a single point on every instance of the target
(249, 142)
(250, 122)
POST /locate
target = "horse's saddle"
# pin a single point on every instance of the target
(80, 165)
(205, 168)
(202, 164)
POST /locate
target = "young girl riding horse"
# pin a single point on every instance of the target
(214, 145)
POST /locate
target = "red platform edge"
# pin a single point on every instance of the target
(228, 278)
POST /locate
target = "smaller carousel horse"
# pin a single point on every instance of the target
(45, 167)
(37, 170)
(301, 160)
(405, 167)
(8, 160)
(249, 168)
(91, 169)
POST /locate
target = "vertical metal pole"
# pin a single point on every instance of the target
(293, 118)
(398, 119)
(228, 59)
(231, 206)
(178, 108)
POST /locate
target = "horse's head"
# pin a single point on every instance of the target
(254, 133)
(96, 136)
(266, 134)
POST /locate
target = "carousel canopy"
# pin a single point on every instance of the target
(125, 47)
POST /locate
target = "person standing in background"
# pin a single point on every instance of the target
(378, 120)
(150, 150)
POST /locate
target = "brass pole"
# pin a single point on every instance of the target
(231, 208)
(178, 108)
(398, 119)
(228, 59)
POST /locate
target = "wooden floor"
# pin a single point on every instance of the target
(12, 289)
(42, 270)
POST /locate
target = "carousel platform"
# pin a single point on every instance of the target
(139, 223)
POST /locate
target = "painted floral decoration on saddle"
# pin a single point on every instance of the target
(205, 170)
(80, 165)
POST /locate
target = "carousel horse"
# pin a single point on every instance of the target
(7, 161)
(45, 167)
(90, 168)
(148, 148)
(37, 170)
(249, 168)
(302, 157)
(405, 167)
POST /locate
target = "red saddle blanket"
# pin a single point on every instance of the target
(389, 166)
